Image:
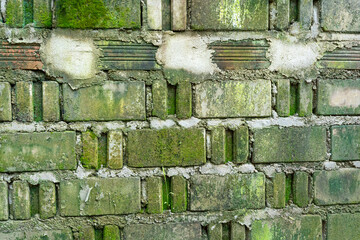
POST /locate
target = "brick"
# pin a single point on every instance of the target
(64, 234)
(283, 14)
(154, 194)
(279, 193)
(304, 227)
(337, 187)
(47, 200)
(305, 99)
(4, 201)
(233, 99)
(14, 13)
(87, 233)
(115, 150)
(178, 15)
(218, 142)
(24, 101)
(305, 13)
(213, 193)
(237, 231)
(338, 97)
(219, 15)
(42, 13)
(174, 231)
(178, 194)
(160, 96)
(99, 196)
(90, 156)
(340, 15)
(37, 151)
(283, 97)
(341, 58)
(241, 144)
(111, 232)
(51, 101)
(20, 203)
(183, 100)
(5, 102)
(295, 144)
(111, 101)
(166, 147)
(301, 189)
(345, 143)
(215, 231)
(154, 14)
(343, 226)
(98, 14)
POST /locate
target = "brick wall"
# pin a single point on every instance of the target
(180, 119)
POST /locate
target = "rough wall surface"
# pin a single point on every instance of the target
(180, 119)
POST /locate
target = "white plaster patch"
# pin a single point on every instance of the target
(345, 98)
(35, 178)
(81, 173)
(188, 52)
(356, 164)
(330, 165)
(160, 124)
(188, 123)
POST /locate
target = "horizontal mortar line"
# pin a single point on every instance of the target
(19, 50)
(343, 52)
(18, 56)
(341, 59)
(20, 59)
(19, 47)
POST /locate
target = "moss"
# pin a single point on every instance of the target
(111, 232)
(42, 14)
(14, 13)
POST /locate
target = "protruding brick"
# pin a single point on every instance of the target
(4, 201)
(283, 97)
(14, 13)
(215, 231)
(154, 14)
(20, 200)
(24, 102)
(241, 144)
(42, 13)
(178, 194)
(279, 193)
(184, 100)
(283, 14)
(305, 99)
(178, 15)
(87, 233)
(64, 234)
(160, 96)
(155, 195)
(345, 143)
(47, 200)
(218, 145)
(90, 155)
(305, 13)
(51, 101)
(301, 189)
(5, 102)
(115, 150)
(111, 232)
(237, 231)
(343, 226)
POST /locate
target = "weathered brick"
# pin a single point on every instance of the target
(184, 100)
(305, 99)
(340, 15)
(166, 147)
(297, 144)
(64, 234)
(241, 144)
(338, 97)
(155, 195)
(218, 142)
(178, 194)
(42, 13)
(90, 156)
(301, 189)
(111, 101)
(98, 14)
(233, 99)
(219, 15)
(343, 226)
(178, 15)
(14, 13)
(20, 202)
(87, 233)
(283, 14)
(99, 196)
(212, 193)
(279, 193)
(345, 143)
(283, 97)
(154, 14)
(115, 150)
(24, 102)
(51, 101)
(111, 232)
(215, 231)
(4, 203)
(47, 200)
(5, 102)
(305, 8)
(337, 187)
(160, 96)
(304, 227)
(237, 231)
(37, 151)
(174, 231)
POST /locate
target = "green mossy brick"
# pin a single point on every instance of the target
(51, 101)
(227, 99)
(337, 187)
(102, 150)
(215, 231)
(4, 201)
(178, 15)
(237, 231)
(279, 185)
(87, 233)
(283, 97)
(37, 101)
(20, 204)
(173, 231)
(294, 99)
(154, 14)
(166, 14)
(160, 97)
(218, 142)
(305, 13)
(345, 143)
(343, 226)
(98, 14)
(155, 195)
(14, 13)
(5, 102)
(115, 150)
(94, 196)
(111, 232)
(301, 189)
(184, 100)
(64, 234)
(89, 158)
(302, 227)
(283, 14)
(110, 101)
(229, 152)
(24, 101)
(215, 193)
(37, 151)
(305, 99)
(292, 144)
(230, 15)
(47, 200)
(241, 144)
(166, 147)
(34, 200)
(178, 194)
(42, 13)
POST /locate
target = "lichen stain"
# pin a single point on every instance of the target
(346, 97)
